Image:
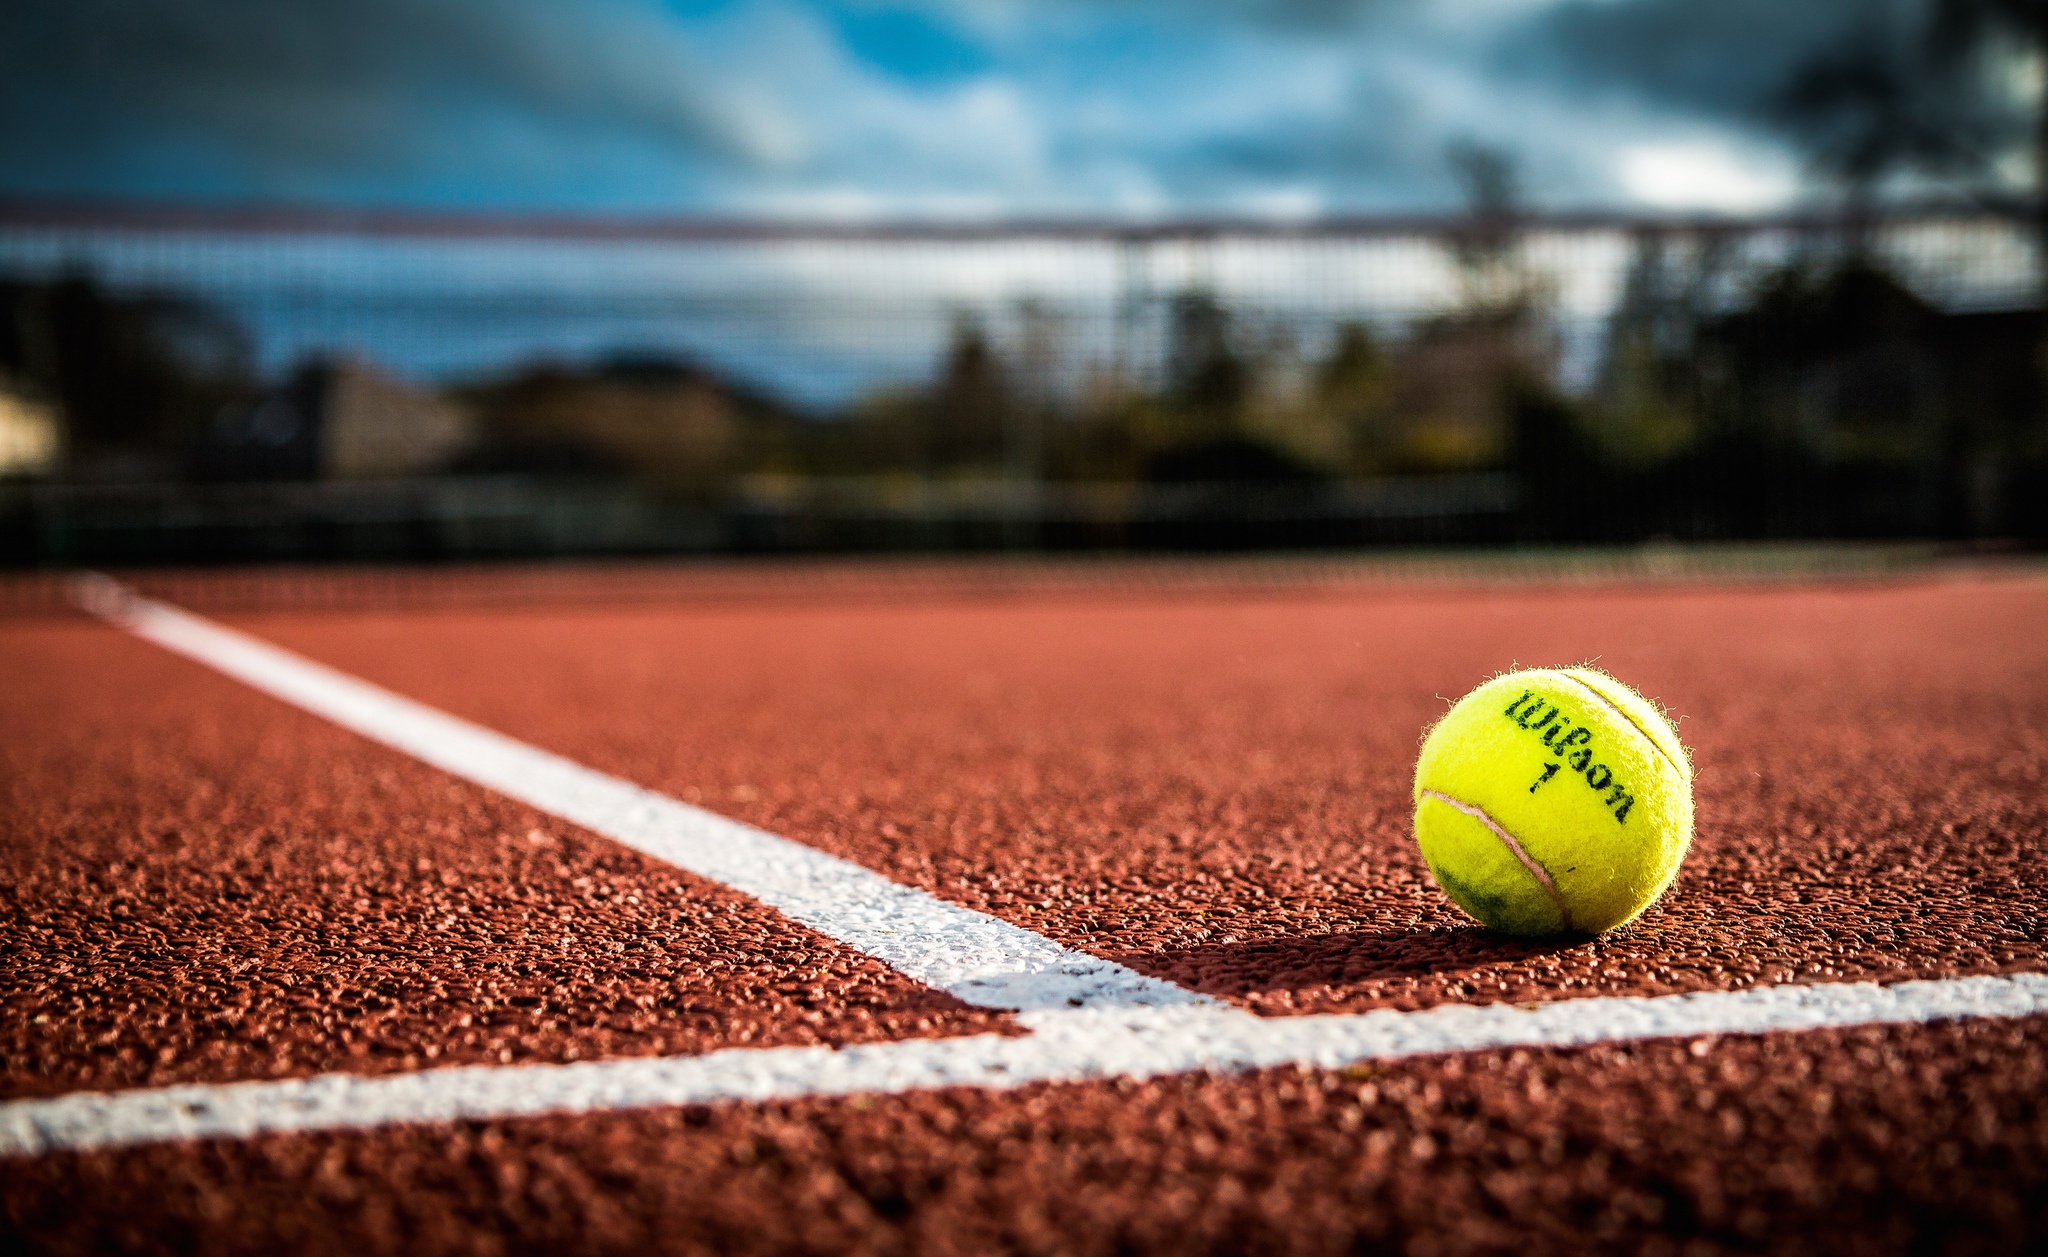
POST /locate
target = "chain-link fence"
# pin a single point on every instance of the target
(207, 384)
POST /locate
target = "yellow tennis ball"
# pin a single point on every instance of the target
(1554, 801)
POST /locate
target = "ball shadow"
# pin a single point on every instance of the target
(1350, 958)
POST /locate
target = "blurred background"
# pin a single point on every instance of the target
(411, 279)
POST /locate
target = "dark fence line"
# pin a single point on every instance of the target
(495, 517)
(237, 383)
(467, 517)
(289, 218)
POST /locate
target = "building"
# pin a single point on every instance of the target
(29, 434)
(340, 420)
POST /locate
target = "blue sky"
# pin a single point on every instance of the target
(934, 108)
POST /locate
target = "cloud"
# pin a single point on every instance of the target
(285, 91)
(1719, 58)
(892, 106)
(1687, 175)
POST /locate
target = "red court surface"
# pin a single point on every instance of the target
(1933, 1139)
(1204, 783)
(207, 885)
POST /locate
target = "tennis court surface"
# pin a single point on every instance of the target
(1027, 908)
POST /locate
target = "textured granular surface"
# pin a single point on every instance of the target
(1217, 791)
(198, 883)
(1901, 1140)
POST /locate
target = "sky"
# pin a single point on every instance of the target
(904, 108)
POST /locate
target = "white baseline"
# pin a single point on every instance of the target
(1065, 1047)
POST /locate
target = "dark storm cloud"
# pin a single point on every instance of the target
(1378, 150)
(1724, 58)
(317, 86)
(1026, 105)
(1299, 14)
(1721, 57)
(1558, 86)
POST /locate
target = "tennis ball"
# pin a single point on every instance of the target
(1554, 801)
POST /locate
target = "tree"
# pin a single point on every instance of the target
(1926, 89)
(1207, 379)
(1485, 247)
(1964, 33)
(133, 375)
(971, 402)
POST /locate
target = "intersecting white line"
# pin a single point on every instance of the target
(980, 959)
(1088, 1018)
(1064, 1047)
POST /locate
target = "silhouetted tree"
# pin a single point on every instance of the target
(1924, 89)
(969, 423)
(132, 375)
(1485, 246)
(1352, 388)
(1963, 35)
(1206, 378)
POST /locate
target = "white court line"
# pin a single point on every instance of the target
(1065, 1047)
(1089, 1018)
(971, 955)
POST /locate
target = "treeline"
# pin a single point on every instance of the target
(1231, 401)
(1830, 400)
(130, 383)
(1825, 399)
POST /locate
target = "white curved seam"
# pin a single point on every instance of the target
(1623, 712)
(1541, 874)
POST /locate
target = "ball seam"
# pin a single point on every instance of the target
(1536, 869)
(1623, 712)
